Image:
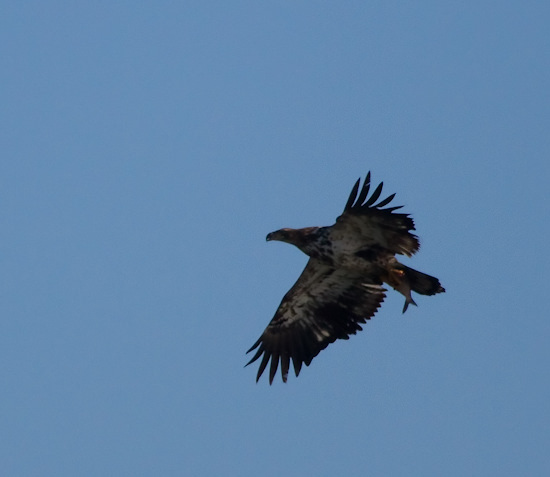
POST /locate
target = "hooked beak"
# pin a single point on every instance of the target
(269, 237)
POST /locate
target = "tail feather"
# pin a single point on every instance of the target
(422, 283)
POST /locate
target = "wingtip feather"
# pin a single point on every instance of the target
(374, 197)
(274, 366)
(352, 195)
(263, 365)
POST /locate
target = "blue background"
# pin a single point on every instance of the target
(149, 147)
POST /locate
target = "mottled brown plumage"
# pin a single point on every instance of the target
(341, 286)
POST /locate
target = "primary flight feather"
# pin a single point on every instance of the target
(341, 285)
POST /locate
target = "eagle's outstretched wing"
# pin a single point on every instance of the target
(323, 305)
(369, 224)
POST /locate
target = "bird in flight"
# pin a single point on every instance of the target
(341, 285)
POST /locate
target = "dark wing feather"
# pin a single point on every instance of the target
(374, 196)
(364, 189)
(353, 194)
(325, 304)
(375, 226)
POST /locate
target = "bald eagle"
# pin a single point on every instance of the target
(341, 285)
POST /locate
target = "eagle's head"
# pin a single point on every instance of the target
(283, 235)
(301, 238)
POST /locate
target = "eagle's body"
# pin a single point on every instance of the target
(341, 285)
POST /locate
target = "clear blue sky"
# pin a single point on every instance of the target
(149, 147)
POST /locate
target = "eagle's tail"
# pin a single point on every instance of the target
(421, 282)
(405, 279)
